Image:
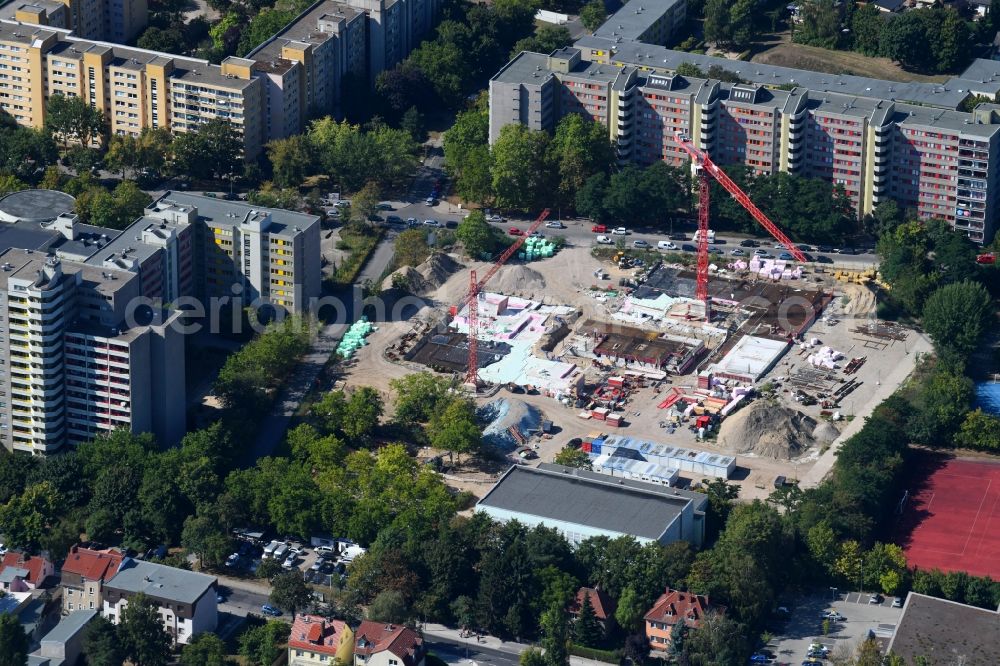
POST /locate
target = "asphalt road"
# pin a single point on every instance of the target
(578, 232)
(241, 602)
(469, 653)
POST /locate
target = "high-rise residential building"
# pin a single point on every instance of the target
(72, 367)
(116, 21)
(936, 160)
(134, 88)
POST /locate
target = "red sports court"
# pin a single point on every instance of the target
(951, 521)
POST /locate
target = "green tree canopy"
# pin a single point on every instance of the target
(956, 316)
(13, 641)
(143, 639)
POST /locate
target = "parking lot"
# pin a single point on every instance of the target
(805, 625)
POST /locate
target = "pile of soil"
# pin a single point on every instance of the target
(502, 413)
(768, 430)
(428, 276)
(825, 432)
(518, 280)
(437, 268)
(861, 300)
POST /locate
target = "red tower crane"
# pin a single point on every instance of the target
(706, 167)
(472, 298)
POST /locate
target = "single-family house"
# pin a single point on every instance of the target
(83, 576)
(603, 605)
(317, 641)
(672, 608)
(381, 644)
(31, 569)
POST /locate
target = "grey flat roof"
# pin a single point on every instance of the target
(69, 626)
(634, 18)
(587, 498)
(946, 632)
(523, 67)
(946, 95)
(214, 211)
(942, 118)
(160, 581)
(37, 205)
(304, 28)
(982, 70)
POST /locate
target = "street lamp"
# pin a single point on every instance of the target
(833, 594)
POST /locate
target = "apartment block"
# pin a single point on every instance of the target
(134, 88)
(939, 162)
(649, 21)
(116, 21)
(186, 600)
(263, 254)
(302, 66)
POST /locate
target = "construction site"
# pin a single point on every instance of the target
(750, 371)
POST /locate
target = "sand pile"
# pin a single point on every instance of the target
(768, 430)
(825, 432)
(437, 268)
(502, 413)
(518, 280)
(860, 300)
(415, 281)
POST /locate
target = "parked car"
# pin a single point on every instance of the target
(824, 248)
(749, 243)
(270, 610)
(450, 224)
(412, 222)
(821, 259)
(343, 203)
(385, 205)
(786, 256)
(495, 218)
(514, 231)
(897, 602)
(665, 245)
(394, 219)
(430, 201)
(431, 223)
(817, 654)
(233, 560)
(876, 599)
(555, 224)
(687, 247)
(737, 252)
(766, 255)
(619, 231)
(759, 658)
(605, 240)
(640, 244)
(680, 237)
(833, 616)
(536, 234)
(599, 229)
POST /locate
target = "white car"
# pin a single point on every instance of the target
(432, 223)
(555, 224)
(605, 240)
(641, 244)
(290, 561)
(343, 203)
(619, 231)
(495, 218)
(412, 222)
(665, 245)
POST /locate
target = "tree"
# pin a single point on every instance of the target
(546, 39)
(291, 160)
(885, 568)
(362, 413)
(418, 395)
(24, 150)
(956, 316)
(593, 14)
(578, 150)
(263, 645)
(13, 641)
(820, 25)
(590, 197)
(213, 151)
(979, 431)
(445, 66)
(411, 247)
(520, 177)
(555, 636)
(571, 457)
(404, 87)
(364, 205)
(143, 640)
(630, 610)
(467, 154)
(690, 69)
(204, 537)
(532, 657)
(867, 25)
(868, 653)
(73, 120)
(262, 26)
(850, 561)
(9, 183)
(721, 496)
(586, 629)
(478, 237)
(100, 643)
(412, 122)
(455, 428)
(205, 649)
(719, 640)
(164, 40)
(288, 591)
(27, 518)
(389, 606)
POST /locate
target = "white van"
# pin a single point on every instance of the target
(665, 245)
(269, 549)
(280, 552)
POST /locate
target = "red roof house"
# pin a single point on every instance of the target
(381, 644)
(31, 569)
(83, 576)
(672, 608)
(604, 606)
(314, 637)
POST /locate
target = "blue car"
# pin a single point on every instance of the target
(786, 256)
(758, 658)
(271, 610)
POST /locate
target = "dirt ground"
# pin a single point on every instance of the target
(779, 50)
(568, 276)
